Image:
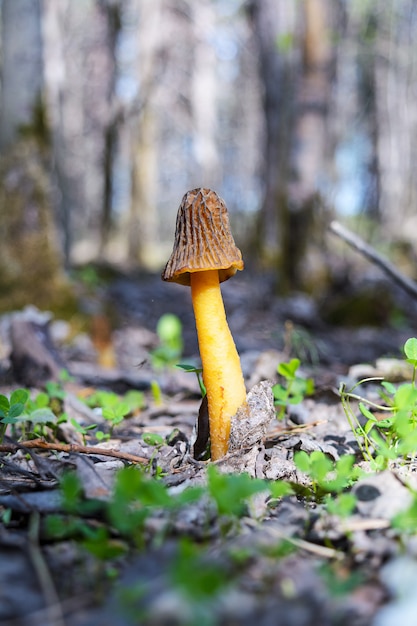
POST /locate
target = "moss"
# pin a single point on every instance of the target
(38, 128)
(30, 262)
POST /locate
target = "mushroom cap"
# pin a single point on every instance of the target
(203, 239)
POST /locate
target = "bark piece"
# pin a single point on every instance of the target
(249, 425)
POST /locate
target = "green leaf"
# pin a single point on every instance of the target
(41, 416)
(279, 488)
(344, 465)
(302, 461)
(390, 388)
(108, 413)
(343, 505)
(41, 400)
(386, 423)
(135, 400)
(122, 409)
(405, 397)
(321, 465)
(54, 390)
(153, 439)
(369, 426)
(295, 398)
(287, 370)
(309, 387)
(10, 420)
(101, 546)
(4, 404)
(280, 394)
(189, 368)
(19, 396)
(407, 520)
(366, 412)
(410, 349)
(169, 329)
(71, 492)
(16, 410)
(230, 491)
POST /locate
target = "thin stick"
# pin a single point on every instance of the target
(71, 448)
(370, 253)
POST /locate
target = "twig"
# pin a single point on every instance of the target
(291, 430)
(71, 448)
(370, 253)
(365, 524)
(314, 548)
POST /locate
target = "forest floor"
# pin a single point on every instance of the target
(178, 543)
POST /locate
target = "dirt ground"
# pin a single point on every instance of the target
(288, 562)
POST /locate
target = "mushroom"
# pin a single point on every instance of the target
(204, 255)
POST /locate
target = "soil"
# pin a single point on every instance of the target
(287, 561)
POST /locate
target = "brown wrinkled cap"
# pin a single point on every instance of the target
(203, 239)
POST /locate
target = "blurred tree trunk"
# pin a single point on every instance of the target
(30, 262)
(296, 80)
(54, 18)
(79, 65)
(396, 113)
(303, 246)
(204, 95)
(143, 236)
(112, 10)
(143, 231)
(274, 23)
(22, 67)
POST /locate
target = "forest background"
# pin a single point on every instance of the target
(294, 111)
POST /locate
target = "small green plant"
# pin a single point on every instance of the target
(153, 439)
(169, 331)
(293, 390)
(327, 476)
(31, 415)
(198, 371)
(156, 392)
(11, 408)
(385, 439)
(84, 430)
(231, 492)
(114, 408)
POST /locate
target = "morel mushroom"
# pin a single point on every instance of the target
(204, 255)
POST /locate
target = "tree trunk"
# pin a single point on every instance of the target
(304, 244)
(395, 77)
(80, 79)
(143, 219)
(296, 83)
(111, 131)
(274, 23)
(22, 67)
(204, 97)
(30, 262)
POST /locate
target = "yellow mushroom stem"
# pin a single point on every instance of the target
(222, 373)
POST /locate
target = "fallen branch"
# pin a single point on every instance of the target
(71, 448)
(370, 253)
